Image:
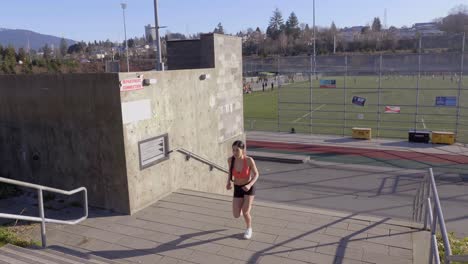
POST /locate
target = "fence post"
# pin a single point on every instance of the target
(345, 95)
(460, 85)
(278, 90)
(310, 93)
(379, 95)
(417, 85)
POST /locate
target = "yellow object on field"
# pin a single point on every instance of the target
(441, 137)
(362, 132)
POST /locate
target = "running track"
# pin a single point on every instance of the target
(363, 152)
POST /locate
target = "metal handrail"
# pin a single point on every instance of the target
(188, 154)
(427, 200)
(42, 217)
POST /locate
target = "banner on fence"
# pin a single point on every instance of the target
(446, 101)
(359, 100)
(327, 83)
(392, 109)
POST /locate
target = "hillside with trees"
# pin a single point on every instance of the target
(291, 37)
(282, 36)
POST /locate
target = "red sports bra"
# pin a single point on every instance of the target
(245, 173)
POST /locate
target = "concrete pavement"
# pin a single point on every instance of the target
(377, 177)
(194, 227)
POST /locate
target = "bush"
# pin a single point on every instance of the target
(458, 246)
(8, 237)
(7, 190)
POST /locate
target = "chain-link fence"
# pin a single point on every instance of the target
(390, 93)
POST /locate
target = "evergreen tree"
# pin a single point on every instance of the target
(9, 61)
(21, 56)
(63, 47)
(219, 29)
(2, 53)
(292, 26)
(376, 25)
(47, 51)
(333, 28)
(276, 25)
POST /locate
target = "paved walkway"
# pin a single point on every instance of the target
(376, 191)
(193, 227)
(379, 177)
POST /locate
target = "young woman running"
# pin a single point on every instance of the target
(244, 174)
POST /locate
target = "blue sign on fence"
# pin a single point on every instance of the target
(359, 100)
(327, 83)
(446, 101)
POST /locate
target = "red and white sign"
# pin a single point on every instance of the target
(131, 84)
(392, 109)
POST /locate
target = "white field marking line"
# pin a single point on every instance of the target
(424, 124)
(297, 120)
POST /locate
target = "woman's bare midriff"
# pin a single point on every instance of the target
(241, 181)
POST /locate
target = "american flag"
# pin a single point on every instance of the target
(392, 109)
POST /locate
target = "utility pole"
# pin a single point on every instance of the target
(124, 6)
(314, 41)
(158, 40)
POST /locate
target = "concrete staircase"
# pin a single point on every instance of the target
(16, 255)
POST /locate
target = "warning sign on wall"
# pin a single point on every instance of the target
(131, 84)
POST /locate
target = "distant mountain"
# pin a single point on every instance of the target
(19, 39)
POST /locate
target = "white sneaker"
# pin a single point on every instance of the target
(248, 233)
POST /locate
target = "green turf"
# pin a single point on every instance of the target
(330, 111)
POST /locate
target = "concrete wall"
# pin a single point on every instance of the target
(65, 131)
(74, 130)
(194, 113)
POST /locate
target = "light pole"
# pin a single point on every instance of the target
(158, 40)
(124, 6)
(315, 77)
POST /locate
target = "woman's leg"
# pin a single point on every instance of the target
(246, 207)
(237, 206)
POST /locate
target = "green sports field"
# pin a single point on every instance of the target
(331, 111)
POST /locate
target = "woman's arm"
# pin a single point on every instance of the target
(228, 183)
(254, 170)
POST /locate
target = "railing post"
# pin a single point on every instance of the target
(41, 214)
(439, 216)
(420, 202)
(436, 250)
(433, 243)
(434, 220)
(416, 205)
(85, 194)
(428, 204)
(426, 213)
(423, 201)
